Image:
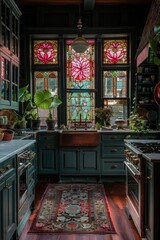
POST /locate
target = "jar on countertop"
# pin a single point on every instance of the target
(120, 122)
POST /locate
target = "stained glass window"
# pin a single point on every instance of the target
(115, 51)
(114, 84)
(80, 106)
(80, 72)
(45, 80)
(45, 51)
(119, 108)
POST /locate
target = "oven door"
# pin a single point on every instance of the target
(133, 183)
(22, 185)
(135, 196)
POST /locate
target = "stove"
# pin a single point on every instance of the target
(147, 147)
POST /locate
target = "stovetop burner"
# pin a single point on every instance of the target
(151, 147)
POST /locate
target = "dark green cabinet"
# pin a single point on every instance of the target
(8, 206)
(152, 200)
(47, 143)
(83, 161)
(9, 54)
(112, 154)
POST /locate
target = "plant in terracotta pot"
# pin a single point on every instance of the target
(47, 100)
(1, 135)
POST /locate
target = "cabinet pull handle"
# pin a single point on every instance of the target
(114, 150)
(149, 177)
(113, 137)
(8, 186)
(114, 166)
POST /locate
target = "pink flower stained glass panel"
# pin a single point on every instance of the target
(80, 67)
(45, 52)
(115, 51)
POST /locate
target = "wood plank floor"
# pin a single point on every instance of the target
(116, 197)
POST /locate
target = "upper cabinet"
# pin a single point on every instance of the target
(9, 54)
(146, 80)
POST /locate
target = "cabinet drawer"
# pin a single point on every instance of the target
(112, 151)
(47, 146)
(113, 168)
(47, 137)
(7, 167)
(113, 136)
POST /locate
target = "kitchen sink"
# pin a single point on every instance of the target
(79, 138)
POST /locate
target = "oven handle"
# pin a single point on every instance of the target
(135, 172)
(24, 167)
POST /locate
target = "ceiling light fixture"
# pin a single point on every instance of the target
(80, 44)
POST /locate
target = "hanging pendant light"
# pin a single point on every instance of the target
(80, 44)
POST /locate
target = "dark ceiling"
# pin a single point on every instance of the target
(85, 2)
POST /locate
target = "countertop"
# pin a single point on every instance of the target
(153, 157)
(10, 148)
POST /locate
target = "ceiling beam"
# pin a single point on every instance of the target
(89, 5)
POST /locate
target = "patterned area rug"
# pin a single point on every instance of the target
(73, 208)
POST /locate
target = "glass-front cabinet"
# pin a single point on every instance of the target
(9, 54)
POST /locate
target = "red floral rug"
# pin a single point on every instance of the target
(73, 208)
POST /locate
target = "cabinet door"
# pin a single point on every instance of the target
(69, 161)
(2, 187)
(9, 207)
(89, 161)
(48, 161)
(149, 202)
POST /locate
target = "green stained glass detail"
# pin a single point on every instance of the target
(80, 67)
(114, 84)
(46, 80)
(80, 106)
(45, 51)
(115, 51)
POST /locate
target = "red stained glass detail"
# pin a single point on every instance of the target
(80, 69)
(115, 51)
(45, 52)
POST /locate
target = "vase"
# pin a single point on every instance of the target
(36, 124)
(51, 124)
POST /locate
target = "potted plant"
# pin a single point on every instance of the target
(46, 100)
(137, 123)
(29, 109)
(103, 116)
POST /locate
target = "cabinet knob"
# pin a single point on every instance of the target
(114, 150)
(8, 186)
(114, 166)
(2, 170)
(149, 177)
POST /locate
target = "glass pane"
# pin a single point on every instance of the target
(114, 84)
(46, 80)
(5, 90)
(80, 67)
(80, 107)
(5, 78)
(119, 108)
(45, 51)
(14, 96)
(115, 51)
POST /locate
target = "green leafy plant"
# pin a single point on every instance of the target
(29, 110)
(155, 45)
(45, 100)
(103, 115)
(137, 123)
